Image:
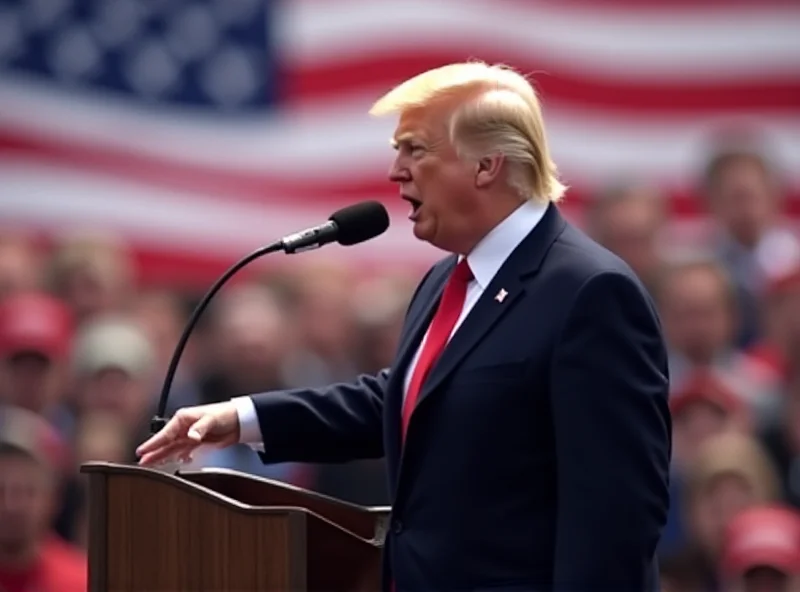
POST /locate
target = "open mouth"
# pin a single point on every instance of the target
(415, 205)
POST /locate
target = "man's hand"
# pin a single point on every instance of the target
(216, 425)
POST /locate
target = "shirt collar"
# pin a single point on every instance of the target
(492, 251)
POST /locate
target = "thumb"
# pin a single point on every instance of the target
(201, 427)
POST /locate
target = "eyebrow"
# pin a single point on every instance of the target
(404, 138)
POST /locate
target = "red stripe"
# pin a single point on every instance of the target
(374, 72)
(251, 187)
(173, 175)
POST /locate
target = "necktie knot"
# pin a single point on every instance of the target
(462, 273)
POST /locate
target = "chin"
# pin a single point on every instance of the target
(422, 233)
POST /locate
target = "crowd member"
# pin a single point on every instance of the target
(730, 473)
(762, 551)
(744, 197)
(32, 556)
(629, 219)
(698, 305)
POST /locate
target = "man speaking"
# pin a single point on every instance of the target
(524, 419)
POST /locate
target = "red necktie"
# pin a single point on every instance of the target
(450, 306)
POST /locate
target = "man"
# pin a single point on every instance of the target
(629, 220)
(35, 339)
(31, 556)
(537, 456)
(745, 198)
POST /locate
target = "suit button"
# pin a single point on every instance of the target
(397, 526)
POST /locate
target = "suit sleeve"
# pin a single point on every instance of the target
(613, 438)
(336, 423)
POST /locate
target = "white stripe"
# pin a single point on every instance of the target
(342, 143)
(701, 43)
(58, 200)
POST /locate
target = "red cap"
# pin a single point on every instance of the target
(36, 323)
(763, 537)
(782, 283)
(705, 387)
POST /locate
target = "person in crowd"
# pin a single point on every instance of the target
(703, 407)
(113, 364)
(36, 332)
(93, 274)
(629, 220)
(780, 346)
(21, 268)
(32, 556)
(162, 316)
(762, 551)
(324, 323)
(250, 339)
(730, 474)
(698, 308)
(744, 197)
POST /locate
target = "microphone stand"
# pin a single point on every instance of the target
(158, 422)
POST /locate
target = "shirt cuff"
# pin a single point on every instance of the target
(249, 429)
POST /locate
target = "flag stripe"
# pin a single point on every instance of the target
(679, 45)
(321, 82)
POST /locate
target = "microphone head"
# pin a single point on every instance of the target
(360, 222)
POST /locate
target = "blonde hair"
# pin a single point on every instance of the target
(502, 115)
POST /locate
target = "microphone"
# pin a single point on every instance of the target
(348, 226)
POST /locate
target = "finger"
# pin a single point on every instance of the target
(168, 434)
(167, 453)
(201, 427)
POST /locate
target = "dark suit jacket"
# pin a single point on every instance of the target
(538, 455)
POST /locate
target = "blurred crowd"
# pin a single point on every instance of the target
(84, 349)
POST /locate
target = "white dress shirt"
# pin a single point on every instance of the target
(485, 261)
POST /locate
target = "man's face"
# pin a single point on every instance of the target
(743, 201)
(26, 498)
(438, 184)
(715, 507)
(30, 381)
(695, 424)
(114, 391)
(629, 229)
(697, 315)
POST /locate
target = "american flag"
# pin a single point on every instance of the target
(200, 129)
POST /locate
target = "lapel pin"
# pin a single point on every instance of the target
(501, 295)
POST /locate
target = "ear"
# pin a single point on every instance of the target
(487, 170)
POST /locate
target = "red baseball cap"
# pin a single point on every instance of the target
(786, 281)
(705, 387)
(767, 536)
(35, 323)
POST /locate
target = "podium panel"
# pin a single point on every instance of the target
(221, 530)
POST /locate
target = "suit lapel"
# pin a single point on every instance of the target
(420, 317)
(499, 297)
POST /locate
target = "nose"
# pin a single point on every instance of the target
(398, 172)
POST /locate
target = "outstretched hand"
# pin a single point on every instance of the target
(215, 425)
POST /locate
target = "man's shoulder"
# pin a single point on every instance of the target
(577, 258)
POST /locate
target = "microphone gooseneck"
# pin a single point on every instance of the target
(348, 226)
(159, 421)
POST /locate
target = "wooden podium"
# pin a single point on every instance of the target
(220, 530)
